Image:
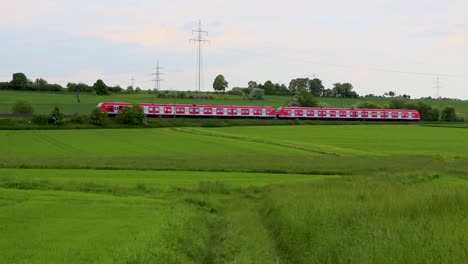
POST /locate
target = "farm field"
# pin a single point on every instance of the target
(44, 102)
(295, 194)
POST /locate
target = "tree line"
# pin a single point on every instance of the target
(314, 86)
(20, 82)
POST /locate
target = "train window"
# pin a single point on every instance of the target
(219, 111)
(207, 111)
(288, 112)
(245, 111)
(299, 112)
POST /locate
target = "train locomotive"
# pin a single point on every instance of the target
(265, 112)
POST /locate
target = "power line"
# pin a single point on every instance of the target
(199, 40)
(438, 87)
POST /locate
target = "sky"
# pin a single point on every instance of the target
(377, 45)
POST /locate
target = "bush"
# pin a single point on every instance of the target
(97, 117)
(22, 107)
(40, 119)
(77, 119)
(56, 117)
(448, 114)
(367, 105)
(427, 112)
(132, 115)
(398, 103)
(236, 91)
(304, 98)
(257, 94)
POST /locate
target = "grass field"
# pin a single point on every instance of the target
(295, 194)
(44, 102)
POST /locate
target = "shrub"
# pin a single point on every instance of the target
(257, 94)
(22, 107)
(448, 114)
(304, 98)
(132, 115)
(367, 105)
(427, 112)
(77, 119)
(236, 91)
(97, 117)
(40, 119)
(398, 103)
(56, 117)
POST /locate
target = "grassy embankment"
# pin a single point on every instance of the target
(338, 194)
(44, 102)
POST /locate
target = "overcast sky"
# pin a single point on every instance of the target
(377, 45)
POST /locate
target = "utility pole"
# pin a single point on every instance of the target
(157, 80)
(133, 82)
(199, 40)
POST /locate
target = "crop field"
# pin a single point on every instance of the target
(43, 102)
(277, 194)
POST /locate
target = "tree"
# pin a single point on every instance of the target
(22, 107)
(298, 83)
(398, 103)
(220, 84)
(97, 117)
(426, 111)
(252, 84)
(306, 99)
(40, 85)
(19, 81)
(131, 115)
(79, 87)
(100, 88)
(137, 90)
(257, 94)
(56, 117)
(316, 87)
(344, 90)
(5, 86)
(269, 88)
(115, 89)
(130, 89)
(391, 93)
(448, 114)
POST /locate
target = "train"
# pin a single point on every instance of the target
(263, 112)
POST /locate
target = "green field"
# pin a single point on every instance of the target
(43, 102)
(277, 194)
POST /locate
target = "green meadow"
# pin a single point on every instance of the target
(277, 194)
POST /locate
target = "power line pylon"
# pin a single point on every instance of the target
(199, 40)
(157, 80)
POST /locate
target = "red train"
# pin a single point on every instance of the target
(236, 111)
